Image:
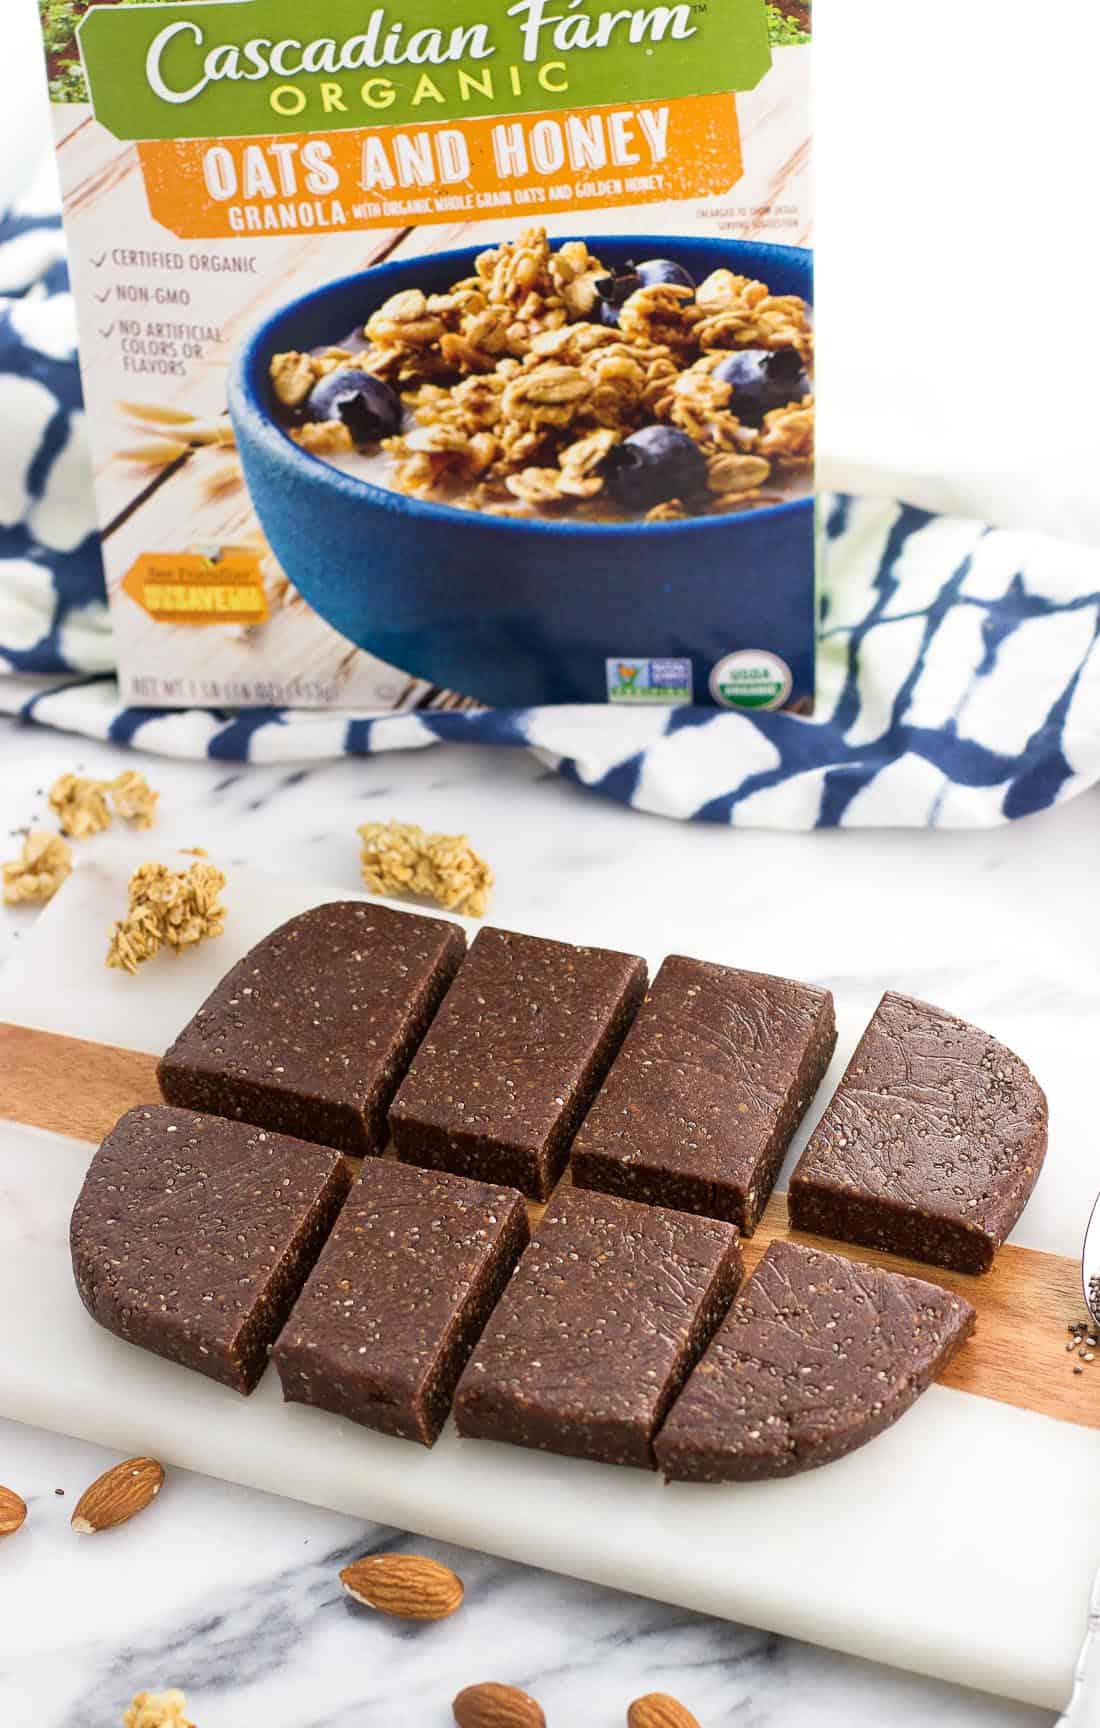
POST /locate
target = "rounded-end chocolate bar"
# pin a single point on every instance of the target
(702, 1100)
(312, 1032)
(607, 1312)
(514, 1059)
(931, 1146)
(400, 1296)
(192, 1236)
(817, 1355)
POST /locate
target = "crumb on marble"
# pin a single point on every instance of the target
(401, 858)
(158, 1710)
(173, 907)
(81, 805)
(45, 863)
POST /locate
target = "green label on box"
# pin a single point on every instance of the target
(751, 678)
(249, 68)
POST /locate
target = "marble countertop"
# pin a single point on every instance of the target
(233, 1595)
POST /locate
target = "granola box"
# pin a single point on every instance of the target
(455, 352)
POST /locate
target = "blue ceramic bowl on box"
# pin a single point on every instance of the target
(518, 612)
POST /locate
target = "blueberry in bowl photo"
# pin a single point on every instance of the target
(653, 466)
(528, 458)
(614, 290)
(350, 397)
(762, 379)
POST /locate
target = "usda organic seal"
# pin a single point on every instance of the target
(751, 678)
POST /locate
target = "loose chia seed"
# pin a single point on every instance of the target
(1081, 1342)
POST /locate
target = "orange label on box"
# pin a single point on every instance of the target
(188, 588)
(590, 158)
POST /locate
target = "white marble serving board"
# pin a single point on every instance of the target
(961, 1544)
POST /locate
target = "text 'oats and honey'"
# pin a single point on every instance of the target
(347, 180)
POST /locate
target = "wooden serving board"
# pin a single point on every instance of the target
(962, 1543)
(75, 1088)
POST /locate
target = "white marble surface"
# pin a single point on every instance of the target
(233, 1595)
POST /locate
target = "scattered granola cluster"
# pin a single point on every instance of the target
(536, 385)
(158, 1710)
(45, 864)
(82, 809)
(80, 806)
(134, 798)
(173, 907)
(400, 858)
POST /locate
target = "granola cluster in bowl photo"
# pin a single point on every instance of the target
(548, 382)
(505, 467)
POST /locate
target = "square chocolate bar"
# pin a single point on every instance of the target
(514, 1059)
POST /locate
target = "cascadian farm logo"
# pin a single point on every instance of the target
(242, 67)
(391, 43)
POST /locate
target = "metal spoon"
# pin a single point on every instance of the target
(1090, 1264)
(1083, 1709)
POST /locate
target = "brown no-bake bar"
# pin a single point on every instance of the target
(311, 1033)
(608, 1311)
(817, 1355)
(931, 1146)
(715, 1075)
(192, 1236)
(514, 1058)
(399, 1297)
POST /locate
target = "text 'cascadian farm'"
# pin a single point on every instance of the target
(181, 64)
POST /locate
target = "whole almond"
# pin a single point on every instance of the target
(408, 1586)
(658, 1710)
(119, 1494)
(13, 1510)
(491, 1705)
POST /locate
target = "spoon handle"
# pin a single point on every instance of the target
(1083, 1709)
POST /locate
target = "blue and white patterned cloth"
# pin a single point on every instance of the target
(959, 665)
